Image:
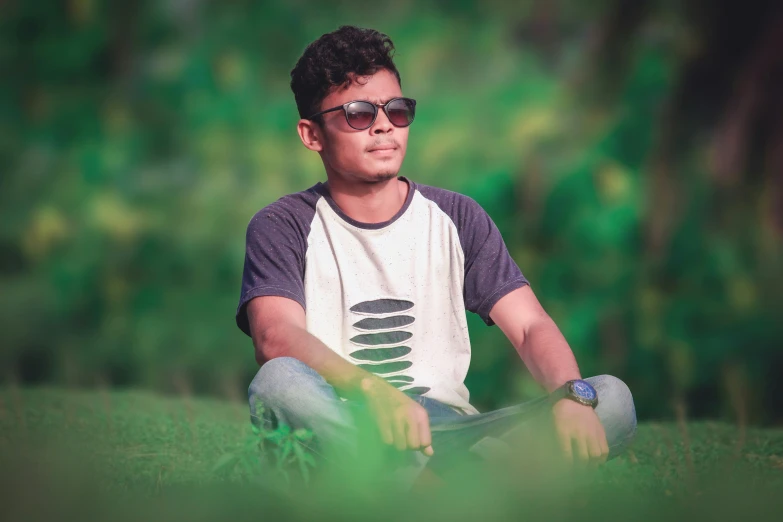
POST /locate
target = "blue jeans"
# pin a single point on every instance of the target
(294, 394)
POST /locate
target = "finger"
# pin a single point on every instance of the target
(605, 448)
(400, 438)
(412, 430)
(425, 434)
(565, 446)
(581, 445)
(604, 444)
(596, 456)
(384, 426)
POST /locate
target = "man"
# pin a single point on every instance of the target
(354, 291)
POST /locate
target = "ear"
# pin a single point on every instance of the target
(311, 134)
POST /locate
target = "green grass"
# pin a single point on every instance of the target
(134, 454)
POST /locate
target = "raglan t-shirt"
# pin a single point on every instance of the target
(388, 297)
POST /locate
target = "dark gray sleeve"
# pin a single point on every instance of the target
(490, 271)
(275, 247)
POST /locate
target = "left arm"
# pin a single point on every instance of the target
(536, 338)
(546, 354)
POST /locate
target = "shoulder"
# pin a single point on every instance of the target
(293, 211)
(473, 223)
(457, 206)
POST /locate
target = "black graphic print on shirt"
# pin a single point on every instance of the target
(383, 351)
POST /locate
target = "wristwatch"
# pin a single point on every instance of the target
(576, 390)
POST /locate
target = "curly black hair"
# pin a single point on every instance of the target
(327, 63)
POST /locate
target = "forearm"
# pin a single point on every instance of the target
(547, 355)
(349, 380)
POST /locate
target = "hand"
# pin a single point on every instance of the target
(579, 425)
(401, 421)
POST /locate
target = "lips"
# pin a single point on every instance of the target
(381, 149)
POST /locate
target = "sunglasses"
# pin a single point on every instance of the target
(361, 115)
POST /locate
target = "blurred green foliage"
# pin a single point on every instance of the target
(131, 455)
(137, 140)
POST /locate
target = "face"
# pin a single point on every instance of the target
(359, 156)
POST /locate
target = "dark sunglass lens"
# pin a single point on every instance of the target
(401, 112)
(360, 115)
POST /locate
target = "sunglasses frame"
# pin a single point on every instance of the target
(377, 106)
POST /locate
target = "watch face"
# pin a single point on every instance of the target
(583, 390)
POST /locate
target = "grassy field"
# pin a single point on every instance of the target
(100, 454)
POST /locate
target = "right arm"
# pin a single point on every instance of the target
(278, 328)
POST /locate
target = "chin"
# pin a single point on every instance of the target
(386, 176)
(379, 177)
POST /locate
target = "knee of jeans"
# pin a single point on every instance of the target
(278, 379)
(615, 408)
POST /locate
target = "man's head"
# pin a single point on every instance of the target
(346, 65)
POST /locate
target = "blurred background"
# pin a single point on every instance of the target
(630, 152)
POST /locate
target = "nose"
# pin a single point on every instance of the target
(382, 124)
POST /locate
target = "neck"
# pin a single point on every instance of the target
(369, 202)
